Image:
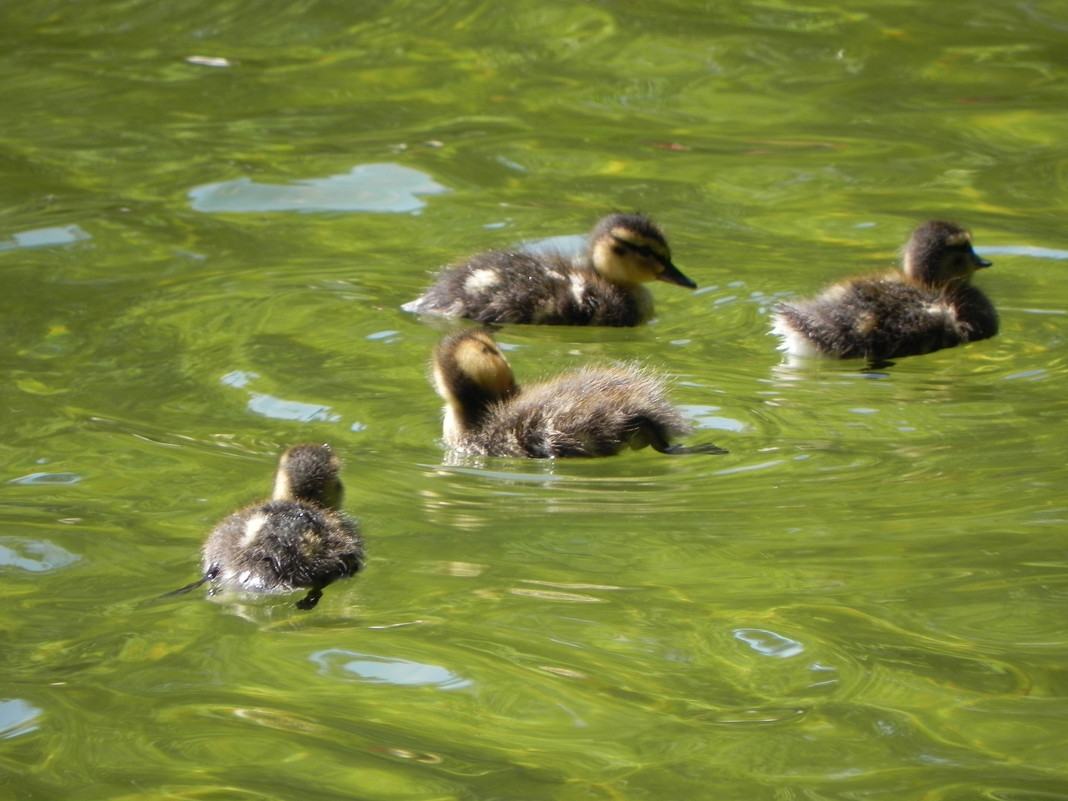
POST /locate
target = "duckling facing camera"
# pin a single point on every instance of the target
(605, 286)
(298, 539)
(931, 306)
(592, 411)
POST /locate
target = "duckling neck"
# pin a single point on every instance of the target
(634, 293)
(945, 286)
(324, 491)
(468, 408)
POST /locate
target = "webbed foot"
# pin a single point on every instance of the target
(311, 599)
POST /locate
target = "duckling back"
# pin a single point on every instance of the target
(929, 307)
(602, 288)
(295, 540)
(592, 411)
(516, 287)
(282, 545)
(883, 318)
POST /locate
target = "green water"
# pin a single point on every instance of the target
(211, 212)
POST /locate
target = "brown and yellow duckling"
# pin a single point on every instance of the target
(592, 411)
(605, 286)
(931, 306)
(298, 539)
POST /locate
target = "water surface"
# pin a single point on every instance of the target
(212, 213)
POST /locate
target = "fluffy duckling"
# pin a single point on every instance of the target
(295, 540)
(592, 411)
(602, 287)
(931, 306)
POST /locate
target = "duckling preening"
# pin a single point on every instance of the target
(931, 306)
(297, 539)
(603, 287)
(592, 411)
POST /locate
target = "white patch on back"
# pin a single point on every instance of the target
(252, 529)
(480, 280)
(836, 292)
(578, 288)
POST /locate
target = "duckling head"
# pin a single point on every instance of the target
(309, 473)
(939, 253)
(470, 374)
(631, 249)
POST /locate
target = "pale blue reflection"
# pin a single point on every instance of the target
(1023, 250)
(16, 718)
(278, 408)
(238, 379)
(36, 556)
(769, 643)
(45, 237)
(1030, 375)
(367, 187)
(47, 479)
(384, 670)
(706, 417)
(571, 245)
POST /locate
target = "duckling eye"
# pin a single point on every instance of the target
(619, 250)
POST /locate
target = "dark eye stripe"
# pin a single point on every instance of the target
(643, 250)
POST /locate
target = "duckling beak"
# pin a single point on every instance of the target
(980, 262)
(672, 275)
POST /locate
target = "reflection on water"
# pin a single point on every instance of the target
(33, 555)
(372, 668)
(45, 237)
(278, 408)
(769, 643)
(47, 479)
(17, 718)
(1023, 250)
(367, 187)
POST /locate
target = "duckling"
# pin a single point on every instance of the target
(592, 411)
(931, 306)
(602, 287)
(297, 539)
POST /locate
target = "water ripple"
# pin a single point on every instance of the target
(385, 670)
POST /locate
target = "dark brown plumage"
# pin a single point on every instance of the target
(603, 287)
(930, 306)
(298, 539)
(593, 411)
